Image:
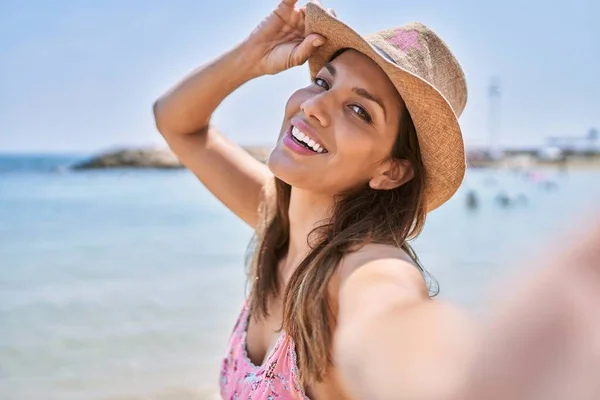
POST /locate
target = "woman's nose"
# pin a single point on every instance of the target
(316, 108)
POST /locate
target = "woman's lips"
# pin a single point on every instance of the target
(296, 147)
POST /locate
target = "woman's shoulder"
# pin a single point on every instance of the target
(372, 252)
(377, 260)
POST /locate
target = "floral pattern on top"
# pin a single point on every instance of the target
(276, 379)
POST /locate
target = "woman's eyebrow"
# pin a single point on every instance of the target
(369, 96)
(330, 68)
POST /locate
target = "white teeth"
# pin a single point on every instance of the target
(299, 135)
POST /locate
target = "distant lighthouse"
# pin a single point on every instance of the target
(494, 96)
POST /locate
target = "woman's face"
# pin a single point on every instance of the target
(350, 116)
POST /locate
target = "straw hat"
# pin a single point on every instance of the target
(427, 76)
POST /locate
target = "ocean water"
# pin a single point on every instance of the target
(124, 285)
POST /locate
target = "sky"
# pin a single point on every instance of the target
(81, 76)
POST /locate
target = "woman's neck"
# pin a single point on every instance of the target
(307, 211)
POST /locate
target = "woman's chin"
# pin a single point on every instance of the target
(281, 165)
(288, 169)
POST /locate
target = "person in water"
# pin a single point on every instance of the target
(338, 304)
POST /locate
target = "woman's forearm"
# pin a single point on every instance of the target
(415, 353)
(189, 105)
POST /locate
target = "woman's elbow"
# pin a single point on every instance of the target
(160, 119)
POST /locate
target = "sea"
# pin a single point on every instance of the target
(125, 284)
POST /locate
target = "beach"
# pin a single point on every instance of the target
(124, 284)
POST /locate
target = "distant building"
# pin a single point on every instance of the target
(551, 153)
(576, 145)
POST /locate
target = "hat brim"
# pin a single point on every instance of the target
(438, 131)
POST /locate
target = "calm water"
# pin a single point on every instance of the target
(125, 284)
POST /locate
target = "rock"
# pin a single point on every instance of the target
(131, 158)
(162, 158)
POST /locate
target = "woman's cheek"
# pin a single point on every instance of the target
(352, 143)
(296, 99)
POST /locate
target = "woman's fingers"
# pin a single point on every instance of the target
(308, 46)
(302, 17)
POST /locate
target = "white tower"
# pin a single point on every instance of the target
(494, 96)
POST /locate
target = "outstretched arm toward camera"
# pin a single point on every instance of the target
(392, 342)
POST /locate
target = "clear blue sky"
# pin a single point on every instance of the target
(81, 76)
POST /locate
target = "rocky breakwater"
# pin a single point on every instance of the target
(160, 158)
(131, 158)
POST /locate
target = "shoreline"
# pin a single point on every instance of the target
(164, 158)
(160, 158)
(516, 164)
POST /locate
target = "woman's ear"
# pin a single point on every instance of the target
(392, 174)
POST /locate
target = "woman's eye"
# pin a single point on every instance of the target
(361, 112)
(322, 83)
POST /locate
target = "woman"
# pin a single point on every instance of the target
(365, 151)
(332, 256)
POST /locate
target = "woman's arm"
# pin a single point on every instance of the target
(541, 342)
(182, 116)
(393, 342)
(183, 113)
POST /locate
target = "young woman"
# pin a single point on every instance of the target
(338, 307)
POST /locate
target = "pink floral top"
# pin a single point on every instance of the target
(275, 379)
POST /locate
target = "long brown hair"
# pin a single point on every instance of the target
(361, 216)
